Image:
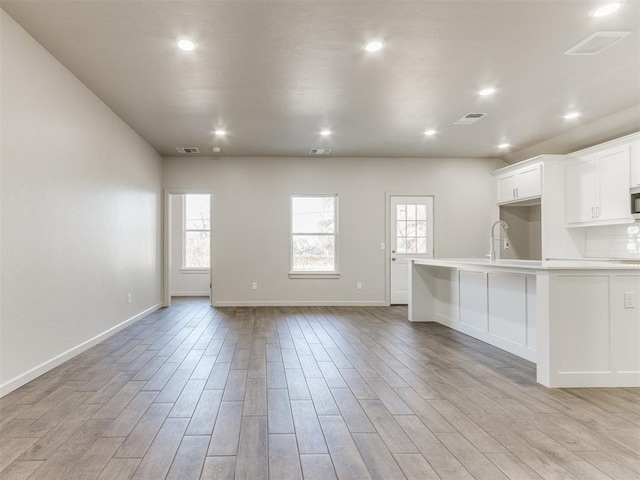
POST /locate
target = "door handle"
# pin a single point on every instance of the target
(393, 251)
(393, 259)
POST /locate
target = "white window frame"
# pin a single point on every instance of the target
(315, 274)
(184, 268)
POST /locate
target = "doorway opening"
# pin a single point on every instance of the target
(410, 236)
(188, 246)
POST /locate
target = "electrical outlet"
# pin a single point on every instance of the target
(128, 298)
(359, 285)
(254, 285)
(629, 299)
(382, 246)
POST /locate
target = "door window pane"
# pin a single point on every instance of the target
(411, 228)
(422, 245)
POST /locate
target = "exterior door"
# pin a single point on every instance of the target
(411, 236)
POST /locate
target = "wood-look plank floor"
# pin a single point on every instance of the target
(317, 393)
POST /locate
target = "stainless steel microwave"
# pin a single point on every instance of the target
(635, 201)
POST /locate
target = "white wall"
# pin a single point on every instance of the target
(189, 283)
(250, 218)
(80, 199)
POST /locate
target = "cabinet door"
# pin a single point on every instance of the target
(580, 190)
(613, 184)
(635, 164)
(529, 182)
(506, 188)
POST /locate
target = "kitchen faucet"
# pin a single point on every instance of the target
(492, 252)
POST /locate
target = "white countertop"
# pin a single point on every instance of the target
(531, 264)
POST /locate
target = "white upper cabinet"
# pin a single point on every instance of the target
(635, 165)
(521, 184)
(581, 188)
(597, 188)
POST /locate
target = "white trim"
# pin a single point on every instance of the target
(43, 368)
(204, 293)
(595, 379)
(189, 271)
(388, 235)
(314, 275)
(298, 303)
(166, 238)
(627, 139)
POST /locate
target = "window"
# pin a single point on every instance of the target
(197, 232)
(314, 234)
(411, 228)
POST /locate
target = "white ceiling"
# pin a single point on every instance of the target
(274, 73)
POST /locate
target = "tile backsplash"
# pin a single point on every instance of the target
(615, 241)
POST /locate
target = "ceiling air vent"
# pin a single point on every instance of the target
(469, 118)
(320, 151)
(187, 150)
(596, 43)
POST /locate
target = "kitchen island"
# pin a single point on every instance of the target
(578, 320)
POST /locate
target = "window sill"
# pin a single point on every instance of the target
(314, 274)
(195, 270)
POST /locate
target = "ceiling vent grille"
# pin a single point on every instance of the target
(187, 150)
(469, 118)
(320, 151)
(596, 43)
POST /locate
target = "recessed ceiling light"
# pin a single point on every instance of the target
(503, 146)
(487, 91)
(571, 115)
(220, 132)
(187, 45)
(605, 10)
(325, 133)
(430, 133)
(374, 46)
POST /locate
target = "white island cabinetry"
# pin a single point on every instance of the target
(577, 320)
(495, 308)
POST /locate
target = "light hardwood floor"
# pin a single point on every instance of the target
(285, 393)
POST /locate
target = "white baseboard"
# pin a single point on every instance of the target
(43, 368)
(297, 303)
(204, 293)
(595, 379)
